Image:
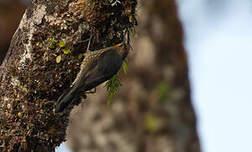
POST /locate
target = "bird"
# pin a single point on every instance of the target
(97, 67)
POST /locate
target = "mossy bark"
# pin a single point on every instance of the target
(43, 60)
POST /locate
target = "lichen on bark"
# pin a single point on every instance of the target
(43, 60)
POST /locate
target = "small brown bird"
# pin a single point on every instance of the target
(97, 67)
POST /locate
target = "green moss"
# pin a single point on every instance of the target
(52, 44)
(152, 123)
(66, 51)
(132, 32)
(162, 91)
(125, 67)
(62, 44)
(114, 83)
(112, 86)
(20, 115)
(80, 56)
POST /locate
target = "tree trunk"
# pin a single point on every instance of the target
(153, 111)
(10, 14)
(43, 60)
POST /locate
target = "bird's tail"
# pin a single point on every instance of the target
(65, 99)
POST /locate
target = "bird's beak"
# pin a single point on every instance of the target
(113, 47)
(118, 45)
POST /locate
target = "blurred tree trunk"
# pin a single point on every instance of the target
(153, 111)
(43, 60)
(10, 14)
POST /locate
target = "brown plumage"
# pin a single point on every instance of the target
(97, 67)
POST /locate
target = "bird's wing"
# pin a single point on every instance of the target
(94, 80)
(73, 92)
(109, 64)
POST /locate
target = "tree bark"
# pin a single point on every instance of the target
(43, 60)
(153, 111)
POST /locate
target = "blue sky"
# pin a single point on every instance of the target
(62, 148)
(219, 45)
(220, 54)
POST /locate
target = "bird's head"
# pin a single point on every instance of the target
(121, 48)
